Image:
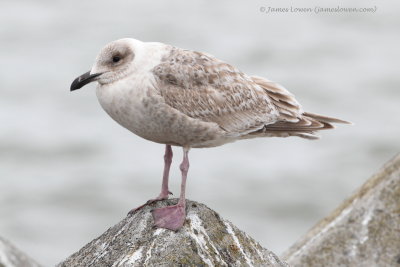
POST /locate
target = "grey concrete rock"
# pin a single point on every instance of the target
(363, 231)
(204, 240)
(10, 256)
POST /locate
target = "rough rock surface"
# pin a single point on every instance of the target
(363, 231)
(10, 256)
(204, 240)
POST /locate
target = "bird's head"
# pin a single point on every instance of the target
(114, 62)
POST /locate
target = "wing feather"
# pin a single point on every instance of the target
(288, 107)
(205, 88)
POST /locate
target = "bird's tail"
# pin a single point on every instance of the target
(292, 120)
(325, 119)
(306, 127)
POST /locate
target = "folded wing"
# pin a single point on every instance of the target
(203, 87)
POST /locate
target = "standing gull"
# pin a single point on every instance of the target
(191, 99)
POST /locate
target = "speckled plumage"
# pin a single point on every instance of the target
(205, 88)
(185, 98)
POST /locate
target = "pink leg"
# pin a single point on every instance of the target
(167, 165)
(173, 217)
(164, 188)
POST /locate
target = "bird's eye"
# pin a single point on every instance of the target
(115, 59)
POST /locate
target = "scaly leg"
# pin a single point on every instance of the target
(164, 188)
(173, 217)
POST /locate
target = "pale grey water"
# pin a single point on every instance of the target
(68, 172)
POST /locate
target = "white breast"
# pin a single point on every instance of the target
(124, 99)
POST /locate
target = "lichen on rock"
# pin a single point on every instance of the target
(363, 231)
(205, 240)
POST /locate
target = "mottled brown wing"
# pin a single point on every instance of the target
(205, 88)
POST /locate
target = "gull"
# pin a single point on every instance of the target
(191, 99)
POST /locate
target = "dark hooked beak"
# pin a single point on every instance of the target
(84, 79)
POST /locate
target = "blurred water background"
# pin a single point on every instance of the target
(68, 172)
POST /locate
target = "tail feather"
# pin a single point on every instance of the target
(306, 126)
(325, 118)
